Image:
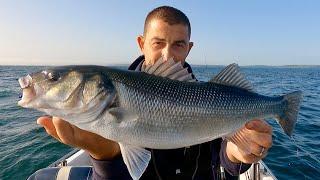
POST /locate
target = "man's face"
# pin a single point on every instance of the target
(164, 40)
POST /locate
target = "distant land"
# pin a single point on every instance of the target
(279, 66)
(194, 65)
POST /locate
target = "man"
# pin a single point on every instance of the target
(166, 34)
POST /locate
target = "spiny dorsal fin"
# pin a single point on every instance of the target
(169, 69)
(232, 76)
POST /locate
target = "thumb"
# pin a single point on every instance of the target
(46, 122)
(65, 131)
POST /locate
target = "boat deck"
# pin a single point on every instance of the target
(258, 171)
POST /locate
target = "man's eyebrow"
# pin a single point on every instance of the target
(180, 41)
(157, 39)
(176, 42)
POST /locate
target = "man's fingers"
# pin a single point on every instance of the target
(64, 130)
(262, 139)
(257, 150)
(259, 125)
(46, 122)
(241, 155)
(258, 135)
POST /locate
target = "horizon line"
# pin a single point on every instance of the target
(124, 64)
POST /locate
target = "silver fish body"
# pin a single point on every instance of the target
(140, 110)
(173, 114)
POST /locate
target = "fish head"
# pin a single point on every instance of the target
(66, 91)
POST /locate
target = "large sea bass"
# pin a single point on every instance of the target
(139, 110)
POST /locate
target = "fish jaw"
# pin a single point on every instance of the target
(28, 95)
(28, 91)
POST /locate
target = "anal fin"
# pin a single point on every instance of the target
(239, 140)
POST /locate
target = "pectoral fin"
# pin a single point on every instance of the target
(136, 159)
(122, 115)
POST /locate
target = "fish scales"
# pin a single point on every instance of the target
(178, 107)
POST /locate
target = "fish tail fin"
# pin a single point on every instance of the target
(288, 119)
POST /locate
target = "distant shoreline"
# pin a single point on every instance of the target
(291, 66)
(194, 65)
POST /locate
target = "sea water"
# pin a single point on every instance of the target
(25, 147)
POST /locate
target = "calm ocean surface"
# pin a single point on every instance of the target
(25, 147)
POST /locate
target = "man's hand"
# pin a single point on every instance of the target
(97, 146)
(259, 135)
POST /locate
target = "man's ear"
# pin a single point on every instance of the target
(190, 46)
(140, 40)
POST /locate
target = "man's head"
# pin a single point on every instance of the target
(166, 34)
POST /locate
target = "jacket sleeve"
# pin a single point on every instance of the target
(109, 169)
(232, 168)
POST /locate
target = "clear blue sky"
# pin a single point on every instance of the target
(60, 32)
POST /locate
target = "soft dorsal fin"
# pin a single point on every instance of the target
(169, 69)
(232, 76)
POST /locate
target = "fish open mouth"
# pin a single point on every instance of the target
(28, 91)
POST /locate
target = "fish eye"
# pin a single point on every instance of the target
(53, 76)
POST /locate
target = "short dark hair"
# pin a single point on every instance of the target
(169, 15)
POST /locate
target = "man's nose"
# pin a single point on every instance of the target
(167, 53)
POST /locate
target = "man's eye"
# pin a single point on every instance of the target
(157, 43)
(180, 45)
